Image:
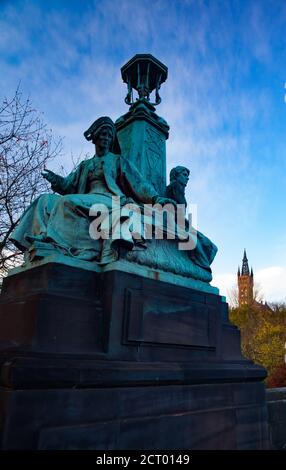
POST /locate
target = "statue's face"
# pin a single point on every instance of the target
(183, 177)
(104, 138)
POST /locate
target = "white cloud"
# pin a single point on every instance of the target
(225, 282)
(273, 283)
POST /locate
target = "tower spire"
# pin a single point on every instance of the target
(245, 267)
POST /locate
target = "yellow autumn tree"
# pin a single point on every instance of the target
(269, 345)
(263, 333)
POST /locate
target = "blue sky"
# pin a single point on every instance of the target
(224, 101)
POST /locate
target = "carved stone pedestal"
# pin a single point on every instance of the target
(117, 361)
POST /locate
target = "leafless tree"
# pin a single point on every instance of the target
(26, 146)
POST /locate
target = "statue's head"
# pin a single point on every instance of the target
(180, 174)
(103, 133)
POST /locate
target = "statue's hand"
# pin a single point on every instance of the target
(50, 176)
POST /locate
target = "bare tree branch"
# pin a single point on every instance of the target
(26, 147)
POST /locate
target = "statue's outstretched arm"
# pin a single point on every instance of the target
(59, 184)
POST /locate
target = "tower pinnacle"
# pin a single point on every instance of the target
(245, 267)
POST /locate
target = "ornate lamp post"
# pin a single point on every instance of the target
(144, 73)
(141, 132)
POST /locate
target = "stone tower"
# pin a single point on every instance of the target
(245, 283)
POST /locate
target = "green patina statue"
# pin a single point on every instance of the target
(129, 167)
(62, 220)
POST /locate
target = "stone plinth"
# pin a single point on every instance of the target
(114, 360)
(276, 401)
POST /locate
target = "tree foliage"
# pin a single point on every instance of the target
(26, 146)
(263, 333)
(278, 377)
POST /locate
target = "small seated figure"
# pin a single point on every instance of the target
(179, 177)
(204, 252)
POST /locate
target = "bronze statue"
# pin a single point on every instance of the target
(61, 221)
